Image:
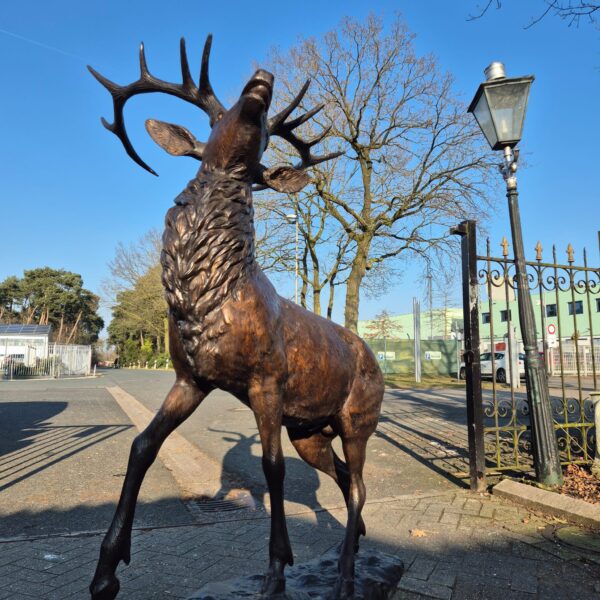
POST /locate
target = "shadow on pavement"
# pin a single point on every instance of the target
(242, 469)
(430, 427)
(30, 443)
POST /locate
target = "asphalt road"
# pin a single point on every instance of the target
(63, 454)
(64, 446)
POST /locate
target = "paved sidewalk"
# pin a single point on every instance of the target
(455, 545)
(64, 445)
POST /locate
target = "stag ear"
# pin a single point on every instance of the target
(285, 179)
(176, 140)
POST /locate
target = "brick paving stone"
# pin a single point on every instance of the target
(424, 588)
(450, 518)
(487, 511)
(421, 568)
(470, 520)
(505, 513)
(443, 574)
(471, 507)
(523, 582)
(458, 501)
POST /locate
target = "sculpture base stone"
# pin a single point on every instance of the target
(377, 576)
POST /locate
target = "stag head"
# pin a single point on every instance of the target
(239, 136)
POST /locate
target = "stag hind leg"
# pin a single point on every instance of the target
(181, 401)
(356, 422)
(315, 449)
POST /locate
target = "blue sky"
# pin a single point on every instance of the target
(69, 193)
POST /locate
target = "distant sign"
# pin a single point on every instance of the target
(433, 355)
(551, 329)
(386, 356)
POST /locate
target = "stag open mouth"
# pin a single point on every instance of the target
(260, 87)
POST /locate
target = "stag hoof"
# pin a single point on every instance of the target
(105, 588)
(344, 589)
(272, 585)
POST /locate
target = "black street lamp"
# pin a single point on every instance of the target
(499, 107)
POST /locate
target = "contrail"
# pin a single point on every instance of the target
(40, 44)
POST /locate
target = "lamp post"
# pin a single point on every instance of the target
(499, 107)
(292, 219)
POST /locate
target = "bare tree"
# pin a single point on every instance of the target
(414, 164)
(383, 326)
(132, 262)
(571, 11)
(323, 245)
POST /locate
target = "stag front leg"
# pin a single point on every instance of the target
(266, 404)
(181, 401)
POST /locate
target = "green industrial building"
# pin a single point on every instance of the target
(570, 314)
(437, 324)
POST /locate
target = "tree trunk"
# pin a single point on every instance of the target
(75, 325)
(166, 323)
(317, 300)
(357, 274)
(331, 297)
(60, 329)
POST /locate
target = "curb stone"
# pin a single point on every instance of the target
(573, 510)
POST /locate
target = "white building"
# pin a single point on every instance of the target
(24, 343)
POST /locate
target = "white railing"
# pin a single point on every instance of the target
(62, 360)
(570, 358)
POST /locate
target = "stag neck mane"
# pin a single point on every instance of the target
(208, 246)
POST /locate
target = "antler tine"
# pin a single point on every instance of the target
(279, 118)
(291, 125)
(303, 147)
(278, 126)
(118, 125)
(207, 96)
(186, 76)
(203, 97)
(144, 73)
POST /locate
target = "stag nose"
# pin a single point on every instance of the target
(265, 76)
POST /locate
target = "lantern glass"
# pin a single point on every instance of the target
(507, 104)
(484, 118)
(499, 107)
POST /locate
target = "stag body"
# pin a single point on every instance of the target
(229, 329)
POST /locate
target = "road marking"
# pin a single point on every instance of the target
(196, 473)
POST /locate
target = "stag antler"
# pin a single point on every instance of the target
(278, 126)
(203, 97)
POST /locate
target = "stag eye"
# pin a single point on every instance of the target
(219, 116)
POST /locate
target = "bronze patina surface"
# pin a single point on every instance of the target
(229, 328)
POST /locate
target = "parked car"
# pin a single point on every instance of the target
(500, 364)
(12, 359)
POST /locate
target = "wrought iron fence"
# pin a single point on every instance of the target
(566, 300)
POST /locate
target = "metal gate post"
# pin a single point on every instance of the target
(470, 287)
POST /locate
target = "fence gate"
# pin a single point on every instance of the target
(566, 300)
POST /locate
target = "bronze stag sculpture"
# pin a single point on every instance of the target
(229, 329)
